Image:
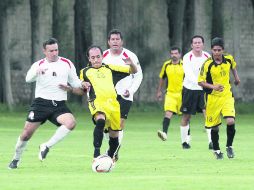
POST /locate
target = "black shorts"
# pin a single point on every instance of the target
(193, 101)
(42, 110)
(125, 106)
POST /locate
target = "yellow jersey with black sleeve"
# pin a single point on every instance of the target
(102, 81)
(174, 74)
(214, 73)
(102, 94)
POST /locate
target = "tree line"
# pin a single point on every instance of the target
(150, 28)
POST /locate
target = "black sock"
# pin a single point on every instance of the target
(166, 122)
(215, 139)
(98, 136)
(113, 146)
(230, 134)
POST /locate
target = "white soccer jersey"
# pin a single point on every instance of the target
(192, 66)
(131, 82)
(47, 85)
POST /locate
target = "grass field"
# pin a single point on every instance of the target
(145, 161)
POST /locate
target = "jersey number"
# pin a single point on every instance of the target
(100, 75)
(223, 73)
(209, 119)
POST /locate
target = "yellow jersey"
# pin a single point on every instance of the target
(102, 81)
(174, 74)
(214, 73)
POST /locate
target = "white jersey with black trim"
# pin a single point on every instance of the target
(131, 82)
(192, 66)
(62, 71)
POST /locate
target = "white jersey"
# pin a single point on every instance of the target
(47, 85)
(131, 82)
(192, 66)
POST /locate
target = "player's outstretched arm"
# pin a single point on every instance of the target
(133, 68)
(68, 88)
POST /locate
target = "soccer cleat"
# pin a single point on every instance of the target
(43, 152)
(162, 135)
(210, 146)
(218, 155)
(185, 145)
(230, 152)
(14, 164)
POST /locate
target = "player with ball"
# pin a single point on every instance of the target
(102, 98)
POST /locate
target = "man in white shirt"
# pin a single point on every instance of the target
(127, 86)
(193, 94)
(49, 103)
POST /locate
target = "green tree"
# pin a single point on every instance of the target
(6, 95)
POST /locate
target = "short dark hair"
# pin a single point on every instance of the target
(50, 41)
(198, 36)
(217, 42)
(175, 48)
(91, 47)
(115, 31)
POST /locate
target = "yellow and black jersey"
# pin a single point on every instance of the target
(214, 73)
(174, 74)
(101, 80)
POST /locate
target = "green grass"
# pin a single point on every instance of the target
(145, 161)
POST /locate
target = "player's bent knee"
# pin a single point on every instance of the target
(230, 121)
(113, 133)
(71, 125)
(100, 124)
(215, 128)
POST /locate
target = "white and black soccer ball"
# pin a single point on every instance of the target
(102, 164)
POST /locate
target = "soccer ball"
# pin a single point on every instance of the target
(102, 164)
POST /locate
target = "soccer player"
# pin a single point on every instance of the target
(214, 77)
(192, 95)
(49, 103)
(172, 72)
(127, 86)
(102, 97)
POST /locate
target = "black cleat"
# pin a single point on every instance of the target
(185, 145)
(230, 152)
(210, 146)
(43, 152)
(14, 164)
(218, 156)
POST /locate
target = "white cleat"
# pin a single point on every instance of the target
(43, 152)
(162, 135)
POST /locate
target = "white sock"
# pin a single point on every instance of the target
(184, 133)
(217, 151)
(120, 137)
(19, 148)
(60, 133)
(208, 131)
